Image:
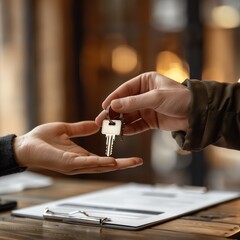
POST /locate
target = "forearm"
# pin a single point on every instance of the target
(8, 163)
(214, 115)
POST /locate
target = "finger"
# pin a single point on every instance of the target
(122, 163)
(136, 127)
(127, 118)
(84, 128)
(140, 84)
(131, 87)
(148, 100)
(99, 119)
(131, 117)
(91, 161)
(163, 122)
(71, 162)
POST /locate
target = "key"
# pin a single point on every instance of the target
(111, 128)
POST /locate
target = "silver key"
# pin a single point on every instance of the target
(111, 128)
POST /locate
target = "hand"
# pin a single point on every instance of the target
(49, 146)
(150, 101)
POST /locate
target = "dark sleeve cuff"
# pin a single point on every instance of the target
(192, 139)
(214, 114)
(8, 164)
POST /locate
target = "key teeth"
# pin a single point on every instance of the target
(110, 152)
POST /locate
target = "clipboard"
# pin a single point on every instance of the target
(130, 206)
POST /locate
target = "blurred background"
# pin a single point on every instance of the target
(59, 59)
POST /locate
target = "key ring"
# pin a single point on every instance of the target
(111, 115)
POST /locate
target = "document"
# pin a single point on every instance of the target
(130, 206)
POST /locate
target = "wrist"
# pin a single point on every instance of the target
(18, 148)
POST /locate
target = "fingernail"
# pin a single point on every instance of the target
(139, 162)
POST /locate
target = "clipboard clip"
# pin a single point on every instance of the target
(78, 216)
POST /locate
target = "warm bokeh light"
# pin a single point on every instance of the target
(124, 59)
(226, 16)
(170, 65)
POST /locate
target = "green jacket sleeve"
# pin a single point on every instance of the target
(214, 116)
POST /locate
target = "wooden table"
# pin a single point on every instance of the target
(219, 222)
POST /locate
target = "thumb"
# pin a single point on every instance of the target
(148, 100)
(83, 128)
